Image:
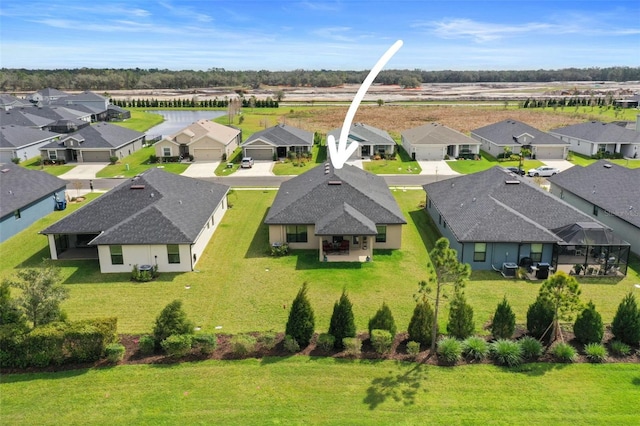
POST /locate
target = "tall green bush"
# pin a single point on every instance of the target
(172, 320)
(540, 318)
(588, 327)
(44, 345)
(301, 322)
(504, 321)
(342, 323)
(383, 320)
(626, 323)
(177, 345)
(461, 324)
(421, 323)
(381, 340)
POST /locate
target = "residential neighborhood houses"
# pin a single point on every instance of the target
(596, 137)
(203, 140)
(433, 141)
(372, 142)
(276, 142)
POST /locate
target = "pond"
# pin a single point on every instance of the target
(177, 120)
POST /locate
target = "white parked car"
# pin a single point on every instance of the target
(246, 163)
(544, 171)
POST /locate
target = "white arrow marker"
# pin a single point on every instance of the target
(342, 153)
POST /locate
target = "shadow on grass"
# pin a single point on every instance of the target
(35, 259)
(426, 228)
(260, 242)
(48, 375)
(536, 368)
(88, 272)
(635, 381)
(401, 387)
(308, 259)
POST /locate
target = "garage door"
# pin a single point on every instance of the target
(259, 154)
(96, 156)
(549, 152)
(207, 154)
(429, 153)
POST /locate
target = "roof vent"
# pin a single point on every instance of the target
(4, 170)
(335, 182)
(607, 166)
(512, 182)
(137, 187)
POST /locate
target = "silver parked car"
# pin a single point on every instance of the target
(544, 171)
(246, 163)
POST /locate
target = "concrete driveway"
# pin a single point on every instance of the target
(83, 171)
(561, 165)
(260, 168)
(201, 169)
(436, 168)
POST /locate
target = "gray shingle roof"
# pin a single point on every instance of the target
(437, 134)
(484, 207)
(21, 117)
(282, 135)
(100, 135)
(20, 187)
(613, 188)
(361, 132)
(345, 219)
(596, 131)
(18, 136)
(507, 132)
(316, 197)
(155, 208)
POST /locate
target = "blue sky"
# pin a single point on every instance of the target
(337, 35)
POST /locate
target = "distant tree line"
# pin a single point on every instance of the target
(194, 102)
(117, 79)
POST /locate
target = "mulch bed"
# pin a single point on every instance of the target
(224, 351)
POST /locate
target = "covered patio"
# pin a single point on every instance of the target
(345, 235)
(590, 249)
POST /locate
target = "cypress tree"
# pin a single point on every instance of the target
(383, 320)
(626, 324)
(504, 321)
(461, 324)
(342, 323)
(421, 323)
(301, 322)
(172, 320)
(540, 318)
(588, 327)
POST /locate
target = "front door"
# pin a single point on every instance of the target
(366, 150)
(184, 151)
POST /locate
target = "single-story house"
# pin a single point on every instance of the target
(157, 219)
(47, 95)
(96, 143)
(606, 191)
(204, 139)
(87, 101)
(23, 142)
(8, 102)
(276, 142)
(594, 136)
(26, 196)
(517, 135)
(433, 142)
(344, 214)
(495, 219)
(371, 141)
(44, 118)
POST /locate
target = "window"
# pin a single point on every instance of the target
(429, 202)
(480, 252)
(562, 194)
(116, 255)
(53, 154)
(297, 233)
(382, 234)
(536, 252)
(356, 240)
(173, 253)
(595, 210)
(166, 151)
(439, 219)
(16, 214)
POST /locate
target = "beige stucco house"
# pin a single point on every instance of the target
(345, 214)
(204, 140)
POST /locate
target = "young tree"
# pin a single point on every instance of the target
(563, 292)
(41, 293)
(446, 269)
(421, 323)
(588, 327)
(171, 321)
(626, 324)
(461, 324)
(342, 323)
(504, 321)
(9, 311)
(383, 320)
(301, 322)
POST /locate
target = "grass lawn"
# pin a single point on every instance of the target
(137, 163)
(487, 161)
(584, 161)
(318, 156)
(140, 120)
(402, 165)
(241, 289)
(57, 170)
(257, 119)
(304, 390)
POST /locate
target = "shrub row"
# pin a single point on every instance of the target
(56, 343)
